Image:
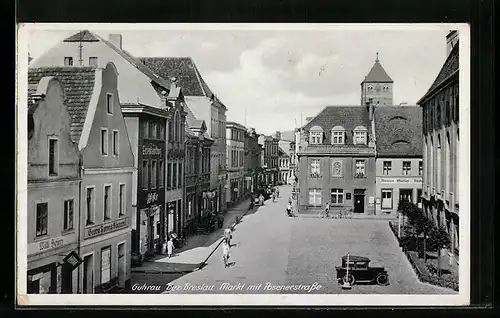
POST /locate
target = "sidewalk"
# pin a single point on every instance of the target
(360, 216)
(198, 247)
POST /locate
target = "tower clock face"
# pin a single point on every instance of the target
(377, 88)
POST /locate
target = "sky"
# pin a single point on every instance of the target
(272, 80)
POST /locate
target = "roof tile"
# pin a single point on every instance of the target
(377, 74)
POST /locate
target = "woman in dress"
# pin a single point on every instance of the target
(225, 252)
(170, 247)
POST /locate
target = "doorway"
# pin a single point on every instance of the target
(122, 265)
(359, 201)
(67, 279)
(406, 195)
(88, 274)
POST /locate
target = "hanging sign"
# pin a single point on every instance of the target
(73, 260)
(151, 198)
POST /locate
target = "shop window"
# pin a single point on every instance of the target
(406, 195)
(90, 200)
(109, 103)
(42, 218)
(106, 265)
(337, 196)
(116, 143)
(145, 175)
(53, 156)
(107, 202)
(104, 141)
(406, 168)
(387, 167)
(68, 215)
(122, 207)
(386, 198)
(315, 197)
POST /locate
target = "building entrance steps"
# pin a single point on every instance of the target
(198, 247)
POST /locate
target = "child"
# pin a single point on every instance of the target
(170, 247)
(225, 252)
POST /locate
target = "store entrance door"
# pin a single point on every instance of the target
(359, 201)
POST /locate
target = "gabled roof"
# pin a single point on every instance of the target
(399, 131)
(82, 36)
(78, 83)
(282, 152)
(185, 71)
(449, 68)
(348, 117)
(377, 74)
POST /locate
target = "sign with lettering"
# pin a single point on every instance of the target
(47, 244)
(106, 228)
(401, 180)
(73, 260)
(151, 198)
(151, 151)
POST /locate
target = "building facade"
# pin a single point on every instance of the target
(204, 105)
(337, 161)
(399, 165)
(284, 166)
(53, 190)
(293, 162)
(252, 160)
(270, 165)
(441, 108)
(235, 183)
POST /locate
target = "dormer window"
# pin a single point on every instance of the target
(338, 135)
(360, 135)
(316, 135)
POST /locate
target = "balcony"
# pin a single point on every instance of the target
(359, 175)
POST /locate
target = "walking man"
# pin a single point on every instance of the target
(225, 252)
(327, 209)
(278, 192)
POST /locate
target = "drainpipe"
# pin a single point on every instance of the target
(80, 172)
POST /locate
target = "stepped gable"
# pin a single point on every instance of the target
(398, 131)
(78, 83)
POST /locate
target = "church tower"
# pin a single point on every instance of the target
(377, 86)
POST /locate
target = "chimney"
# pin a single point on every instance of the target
(451, 40)
(369, 107)
(278, 135)
(116, 40)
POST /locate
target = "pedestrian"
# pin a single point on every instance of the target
(274, 196)
(289, 200)
(278, 192)
(225, 252)
(327, 209)
(289, 210)
(261, 199)
(170, 247)
(227, 235)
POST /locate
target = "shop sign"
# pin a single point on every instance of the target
(73, 259)
(401, 180)
(151, 151)
(151, 198)
(106, 228)
(47, 245)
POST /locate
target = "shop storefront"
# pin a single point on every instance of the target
(391, 190)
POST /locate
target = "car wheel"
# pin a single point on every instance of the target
(349, 278)
(383, 279)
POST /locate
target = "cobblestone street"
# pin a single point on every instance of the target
(272, 248)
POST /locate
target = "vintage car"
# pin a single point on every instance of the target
(360, 271)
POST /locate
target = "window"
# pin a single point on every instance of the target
(161, 181)
(337, 196)
(107, 202)
(406, 168)
(109, 103)
(116, 143)
(42, 218)
(68, 61)
(68, 215)
(153, 174)
(338, 137)
(180, 175)
(420, 167)
(162, 131)
(360, 169)
(145, 175)
(360, 137)
(122, 207)
(387, 167)
(316, 137)
(104, 141)
(315, 168)
(93, 61)
(90, 206)
(419, 198)
(105, 265)
(337, 168)
(53, 156)
(169, 175)
(153, 129)
(315, 197)
(145, 129)
(370, 87)
(386, 88)
(386, 198)
(174, 176)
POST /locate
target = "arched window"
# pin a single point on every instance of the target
(360, 135)
(316, 135)
(338, 135)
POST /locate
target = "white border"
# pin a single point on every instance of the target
(462, 298)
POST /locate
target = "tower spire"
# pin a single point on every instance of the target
(376, 60)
